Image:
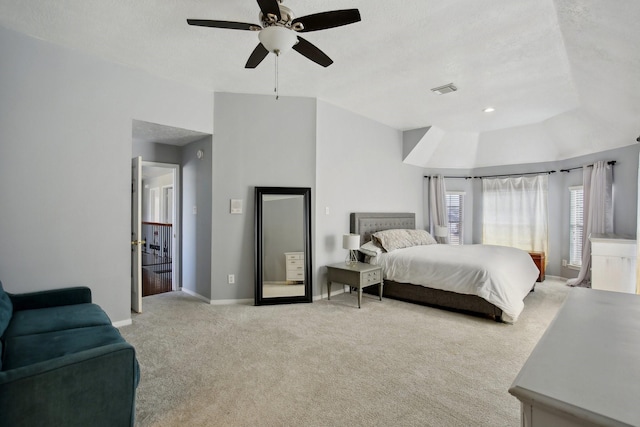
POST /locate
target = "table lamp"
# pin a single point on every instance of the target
(351, 242)
(441, 232)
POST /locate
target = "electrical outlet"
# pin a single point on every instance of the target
(564, 262)
(231, 279)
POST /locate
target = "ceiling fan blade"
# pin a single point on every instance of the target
(258, 54)
(307, 49)
(324, 20)
(270, 7)
(223, 24)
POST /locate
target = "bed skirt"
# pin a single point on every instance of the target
(417, 294)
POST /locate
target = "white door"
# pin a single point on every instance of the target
(136, 226)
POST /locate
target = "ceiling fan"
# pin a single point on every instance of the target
(278, 33)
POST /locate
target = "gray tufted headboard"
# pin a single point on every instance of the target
(367, 223)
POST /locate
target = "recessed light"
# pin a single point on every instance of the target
(489, 110)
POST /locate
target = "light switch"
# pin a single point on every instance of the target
(195, 210)
(236, 206)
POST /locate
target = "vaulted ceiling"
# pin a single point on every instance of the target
(562, 75)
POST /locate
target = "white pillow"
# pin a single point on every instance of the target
(371, 249)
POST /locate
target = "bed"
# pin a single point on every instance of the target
(480, 279)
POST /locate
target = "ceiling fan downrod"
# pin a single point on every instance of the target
(275, 89)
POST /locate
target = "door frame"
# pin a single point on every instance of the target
(176, 283)
(136, 250)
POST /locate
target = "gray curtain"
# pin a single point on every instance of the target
(438, 207)
(597, 186)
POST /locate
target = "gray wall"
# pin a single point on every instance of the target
(259, 142)
(65, 164)
(68, 117)
(156, 152)
(196, 227)
(359, 169)
(350, 163)
(625, 198)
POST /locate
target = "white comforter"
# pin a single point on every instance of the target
(499, 274)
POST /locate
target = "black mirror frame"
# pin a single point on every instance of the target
(259, 249)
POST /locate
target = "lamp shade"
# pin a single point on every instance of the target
(351, 241)
(441, 231)
(278, 40)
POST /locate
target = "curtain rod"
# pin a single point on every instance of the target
(612, 162)
(451, 177)
(515, 174)
(494, 176)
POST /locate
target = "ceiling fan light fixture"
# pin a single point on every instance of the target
(277, 39)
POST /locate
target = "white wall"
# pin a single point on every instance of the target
(359, 169)
(67, 116)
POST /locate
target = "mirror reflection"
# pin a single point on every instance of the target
(283, 243)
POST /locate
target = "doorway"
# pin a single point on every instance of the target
(178, 148)
(160, 228)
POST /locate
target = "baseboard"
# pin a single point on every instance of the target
(333, 293)
(246, 301)
(218, 301)
(121, 323)
(548, 276)
(196, 295)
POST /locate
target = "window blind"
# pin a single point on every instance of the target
(576, 225)
(455, 201)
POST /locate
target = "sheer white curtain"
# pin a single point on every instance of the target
(597, 186)
(514, 212)
(438, 206)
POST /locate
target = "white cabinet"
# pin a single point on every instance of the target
(294, 266)
(584, 370)
(613, 263)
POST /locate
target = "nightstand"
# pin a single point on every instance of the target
(358, 275)
(539, 261)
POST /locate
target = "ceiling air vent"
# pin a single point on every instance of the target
(441, 90)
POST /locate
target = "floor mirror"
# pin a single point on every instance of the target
(283, 245)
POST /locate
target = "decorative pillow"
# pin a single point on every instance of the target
(391, 240)
(370, 249)
(6, 310)
(421, 237)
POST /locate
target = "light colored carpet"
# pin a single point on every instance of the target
(329, 363)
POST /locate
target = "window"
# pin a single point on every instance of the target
(576, 226)
(455, 208)
(514, 212)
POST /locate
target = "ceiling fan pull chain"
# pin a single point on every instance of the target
(277, 77)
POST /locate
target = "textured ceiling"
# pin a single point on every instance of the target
(563, 75)
(152, 132)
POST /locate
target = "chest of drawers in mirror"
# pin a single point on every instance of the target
(294, 266)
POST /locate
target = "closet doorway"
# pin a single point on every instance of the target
(160, 227)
